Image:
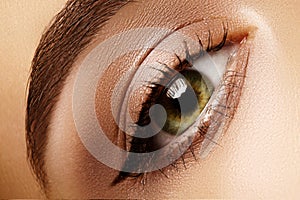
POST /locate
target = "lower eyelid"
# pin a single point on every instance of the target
(226, 99)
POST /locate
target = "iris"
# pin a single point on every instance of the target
(183, 99)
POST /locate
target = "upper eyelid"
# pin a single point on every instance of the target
(200, 29)
(178, 28)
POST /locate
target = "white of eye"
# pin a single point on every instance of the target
(212, 65)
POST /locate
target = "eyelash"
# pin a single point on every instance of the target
(225, 109)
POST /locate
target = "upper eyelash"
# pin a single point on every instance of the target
(155, 90)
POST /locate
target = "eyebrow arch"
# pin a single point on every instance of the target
(73, 28)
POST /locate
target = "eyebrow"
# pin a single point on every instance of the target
(73, 28)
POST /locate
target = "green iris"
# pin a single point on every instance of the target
(183, 99)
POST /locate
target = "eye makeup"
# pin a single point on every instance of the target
(216, 110)
(102, 101)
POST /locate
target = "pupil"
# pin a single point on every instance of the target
(188, 100)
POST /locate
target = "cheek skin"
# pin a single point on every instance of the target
(257, 151)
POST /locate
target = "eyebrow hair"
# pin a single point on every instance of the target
(73, 28)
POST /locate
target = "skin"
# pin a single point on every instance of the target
(259, 157)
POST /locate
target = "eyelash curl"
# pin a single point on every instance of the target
(217, 113)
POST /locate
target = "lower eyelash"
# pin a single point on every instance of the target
(225, 108)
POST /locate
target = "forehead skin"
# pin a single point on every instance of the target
(260, 154)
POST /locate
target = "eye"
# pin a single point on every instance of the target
(192, 87)
(194, 101)
(181, 96)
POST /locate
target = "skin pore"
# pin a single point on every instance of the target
(259, 156)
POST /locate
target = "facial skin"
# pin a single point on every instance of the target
(259, 157)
